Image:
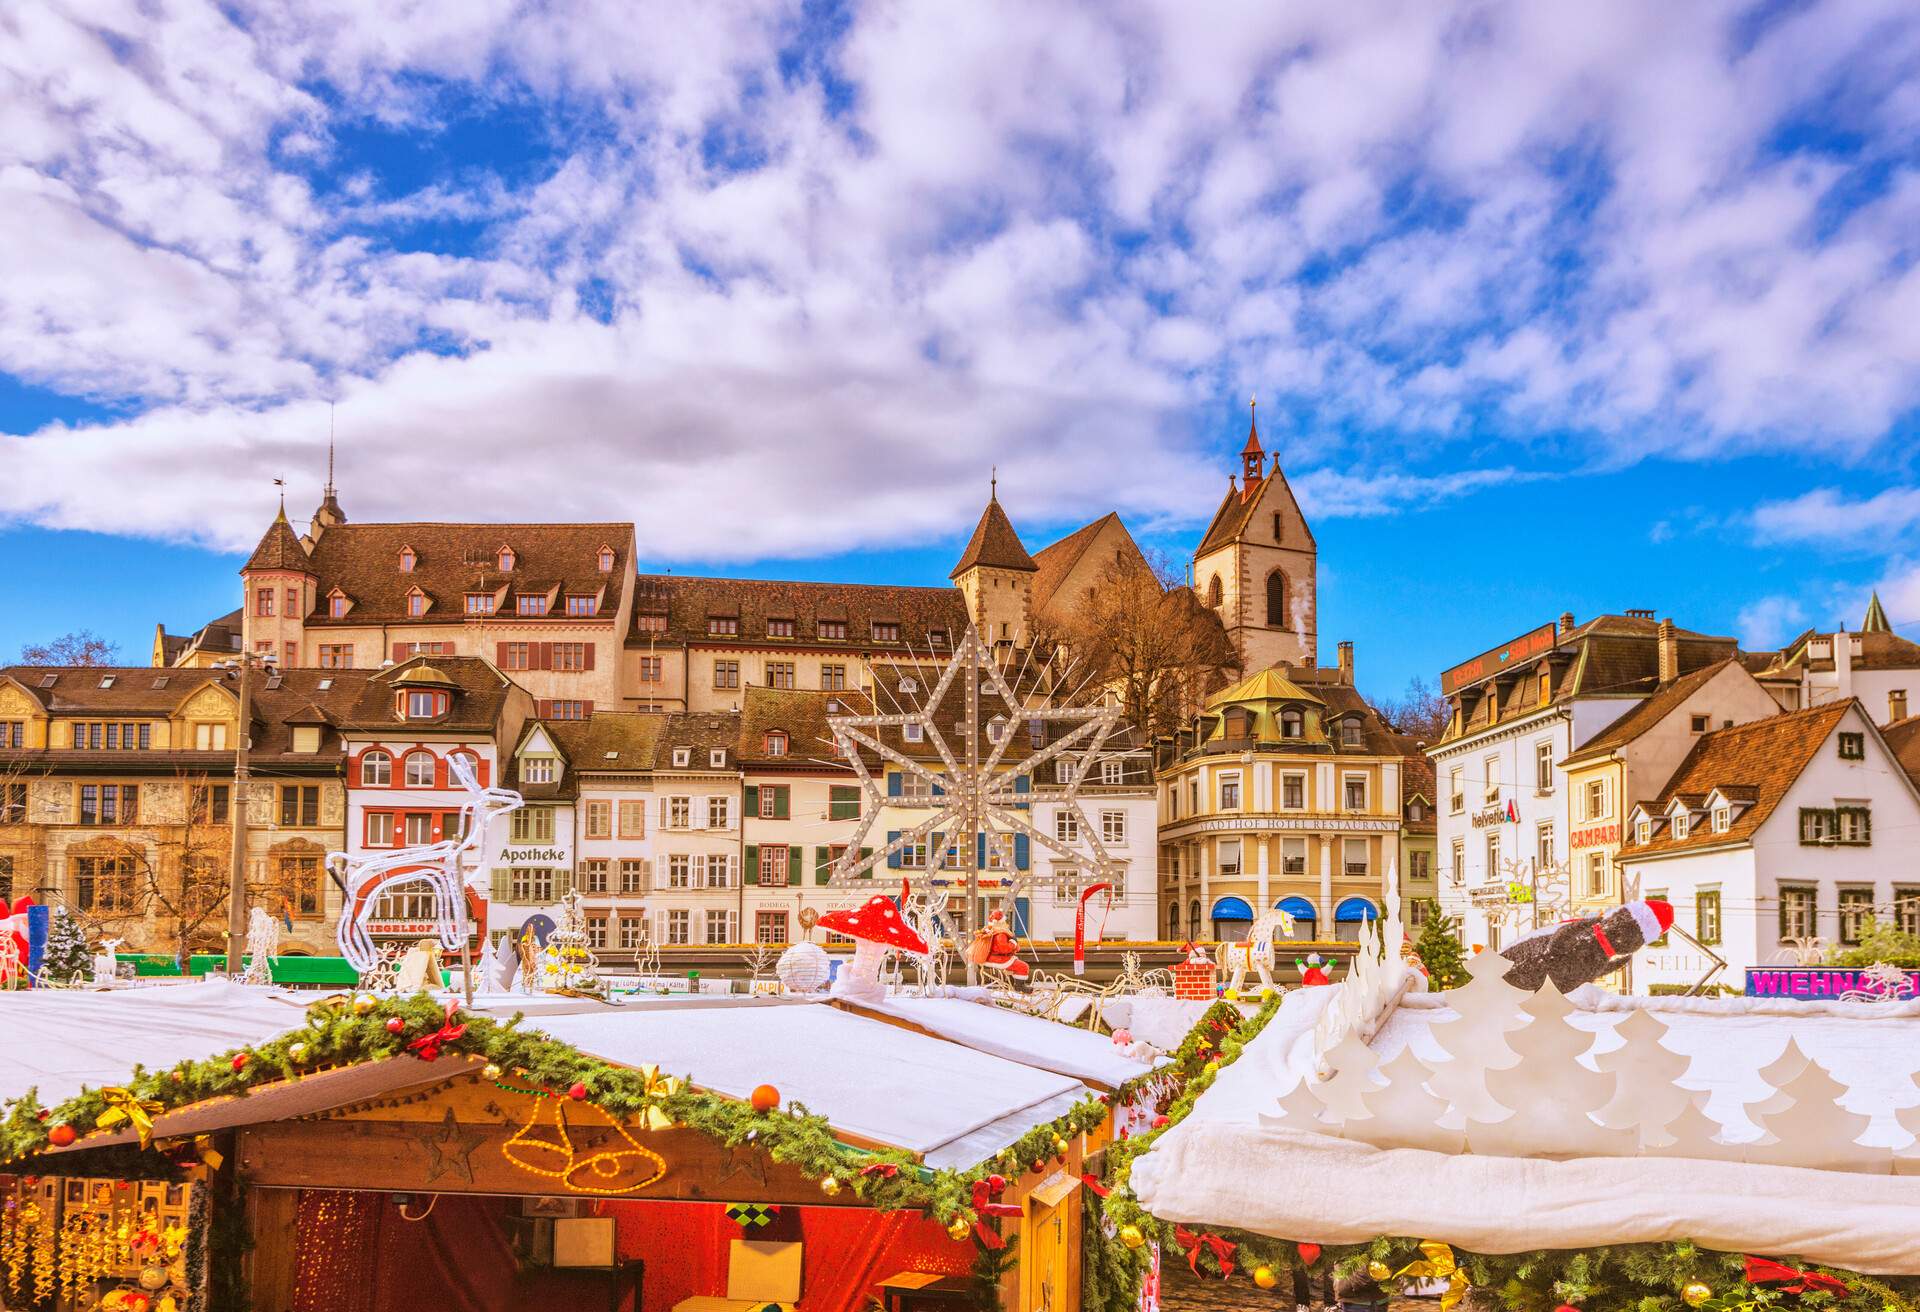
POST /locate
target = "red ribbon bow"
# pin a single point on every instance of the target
(1193, 1243)
(427, 1046)
(982, 1194)
(886, 1170)
(1762, 1271)
(1093, 1182)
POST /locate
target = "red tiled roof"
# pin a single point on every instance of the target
(1765, 756)
(1903, 736)
(279, 548)
(1649, 712)
(479, 693)
(689, 603)
(994, 544)
(1057, 560)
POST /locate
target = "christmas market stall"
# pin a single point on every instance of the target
(672, 1156)
(1533, 1149)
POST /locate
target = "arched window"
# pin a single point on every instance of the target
(420, 770)
(1193, 919)
(1292, 723)
(471, 761)
(1173, 921)
(376, 770)
(1277, 599)
(1214, 593)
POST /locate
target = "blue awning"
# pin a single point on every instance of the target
(1297, 907)
(1356, 908)
(1232, 908)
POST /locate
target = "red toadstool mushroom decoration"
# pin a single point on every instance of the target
(877, 927)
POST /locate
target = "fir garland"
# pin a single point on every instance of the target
(1617, 1278)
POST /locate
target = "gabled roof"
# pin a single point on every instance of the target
(802, 716)
(687, 603)
(1765, 757)
(609, 741)
(994, 544)
(1058, 560)
(479, 691)
(1649, 713)
(1903, 737)
(1230, 521)
(279, 548)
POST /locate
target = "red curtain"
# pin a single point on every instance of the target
(358, 1253)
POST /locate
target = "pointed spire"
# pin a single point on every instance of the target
(1876, 620)
(279, 548)
(994, 543)
(1253, 459)
(1253, 446)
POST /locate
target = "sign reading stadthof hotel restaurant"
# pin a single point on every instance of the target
(1522, 649)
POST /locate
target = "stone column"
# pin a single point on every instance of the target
(1325, 927)
(1260, 870)
(1206, 884)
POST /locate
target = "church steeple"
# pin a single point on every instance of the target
(329, 512)
(1876, 620)
(1252, 457)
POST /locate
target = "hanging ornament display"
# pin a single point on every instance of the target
(803, 968)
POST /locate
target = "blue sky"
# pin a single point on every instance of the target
(1548, 307)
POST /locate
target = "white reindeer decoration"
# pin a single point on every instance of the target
(1256, 950)
(443, 867)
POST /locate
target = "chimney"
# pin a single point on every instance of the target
(1566, 623)
(1669, 652)
(1843, 664)
(1346, 663)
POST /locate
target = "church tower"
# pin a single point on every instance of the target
(1255, 566)
(995, 575)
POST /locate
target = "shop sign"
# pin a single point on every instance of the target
(1496, 814)
(1518, 652)
(539, 855)
(1251, 824)
(1595, 836)
(1521, 893)
(1827, 982)
(1490, 895)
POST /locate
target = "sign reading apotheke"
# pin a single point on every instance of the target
(538, 854)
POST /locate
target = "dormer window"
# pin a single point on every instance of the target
(1681, 821)
(606, 560)
(1643, 831)
(416, 704)
(416, 603)
(1292, 724)
(682, 756)
(537, 770)
(717, 758)
(505, 558)
(1722, 819)
(583, 605)
(481, 603)
(996, 729)
(723, 625)
(775, 743)
(1350, 733)
(530, 603)
(407, 560)
(885, 631)
(336, 604)
(909, 685)
(833, 630)
(936, 637)
(779, 628)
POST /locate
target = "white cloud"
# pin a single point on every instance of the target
(1036, 236)
(1829, 518)
(1769, 621)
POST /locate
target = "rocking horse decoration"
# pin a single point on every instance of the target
(1256, 951)
(447, 869)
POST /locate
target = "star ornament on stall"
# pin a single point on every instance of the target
(989, 790)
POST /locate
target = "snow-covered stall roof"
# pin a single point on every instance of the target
(951, 1104)
(1029, 1040)
(1341, 1135)
(63, 1040)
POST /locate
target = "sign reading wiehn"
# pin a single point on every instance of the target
(1522, 649)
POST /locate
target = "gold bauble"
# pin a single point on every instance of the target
(829, 1186)
(491, 1070)
(1130, 1236)
(1231, 995)
(1378, 1270)
(1696, 1293)
(364, 1004)
(297, 1051)
(959, 1229)
(1059, 1144)
(1264, 1277)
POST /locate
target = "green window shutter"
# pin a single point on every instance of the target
(866, 852)
(562, 883)
(753, 799)
(794, 867)
(502, 885)
(822, 865)
(780, 803)
(753, 864)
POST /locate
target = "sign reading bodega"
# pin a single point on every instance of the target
(1522, 649)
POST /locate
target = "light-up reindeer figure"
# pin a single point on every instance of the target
(443, 867)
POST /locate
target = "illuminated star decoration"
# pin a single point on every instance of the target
(971, 794)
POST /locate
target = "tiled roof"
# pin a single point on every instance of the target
(1648, 713)
(450, 560)
(1765, 756)
(1236, 510)
(609, 741)
(130, 690)
(690, 603)
(479, 693)
(994, 544)
(702, 731)
(802, 716)
(1057, 560)
(279, 548)
(1878, 651)
(1903, 736)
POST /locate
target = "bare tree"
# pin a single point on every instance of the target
(1419, 712)
(1147, 638)
(81, 647)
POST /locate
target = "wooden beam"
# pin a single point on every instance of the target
(272, 1221)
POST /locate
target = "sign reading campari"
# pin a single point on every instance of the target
(537, 854)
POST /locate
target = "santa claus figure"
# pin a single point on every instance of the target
(993, 945)
(1313, 970)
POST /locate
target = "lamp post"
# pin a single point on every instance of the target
(237, 817)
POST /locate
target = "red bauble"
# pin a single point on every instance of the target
(42, 1114)
(765, 1098)
(996, 1185)
(1566, 1307)
(578, 1092)
(396, 1025)
(1161, 1122)
(240, 1060)
(1309, 1253)
(61, 1135)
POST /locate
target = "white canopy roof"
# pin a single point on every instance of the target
(1224, 1165)
(1030, 1040)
